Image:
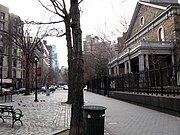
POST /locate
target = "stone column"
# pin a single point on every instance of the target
(117, 69)
(125, 68)
(172, 58)
(129, 66)
(109, 70)
(141, 62)
(147, 61)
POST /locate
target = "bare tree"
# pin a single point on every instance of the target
(78, 73)
(73, 35)
(94, 60)
(59, 8)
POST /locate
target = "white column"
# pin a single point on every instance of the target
(109, 70)
(114, 70)
(172, 58)
(129, 66)
(147, 61)
(117, 69)
(125, 68)
(141, 62)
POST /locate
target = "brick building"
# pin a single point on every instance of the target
(152, 39)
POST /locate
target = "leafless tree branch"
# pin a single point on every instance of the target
(41, 23)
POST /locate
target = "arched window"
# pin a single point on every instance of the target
(161, 34)
(142, 21)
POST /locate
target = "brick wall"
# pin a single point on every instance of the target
(148, 13)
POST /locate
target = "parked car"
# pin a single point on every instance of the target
(52, 88)
(5, 91)
(85, 88)
(12, 90)
(65, 87)
(21, 91)
(43, 88)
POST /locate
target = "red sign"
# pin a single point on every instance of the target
(39, 71)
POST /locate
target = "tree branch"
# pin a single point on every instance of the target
(40, 23)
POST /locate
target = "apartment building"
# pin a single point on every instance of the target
(4, 17)
(10, 64)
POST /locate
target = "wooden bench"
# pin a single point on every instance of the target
(8, 111)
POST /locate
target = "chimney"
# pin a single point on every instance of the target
(160, 1)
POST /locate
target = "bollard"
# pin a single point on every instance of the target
(93, 120)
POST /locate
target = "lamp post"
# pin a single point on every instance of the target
(1, 64)
(36, 61)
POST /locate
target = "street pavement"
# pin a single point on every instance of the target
(51, 115)
(122, 118)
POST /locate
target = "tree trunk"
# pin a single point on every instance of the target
(27, 76)
(76, 127)
(69, 48)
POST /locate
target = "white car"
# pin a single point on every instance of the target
(65, 87)
(52, 88)
(85, 88)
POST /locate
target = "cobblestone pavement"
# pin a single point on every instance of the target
(45, 117)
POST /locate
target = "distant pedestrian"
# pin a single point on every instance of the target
(47, 87)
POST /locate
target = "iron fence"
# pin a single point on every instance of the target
(5, 98)
(162, 81)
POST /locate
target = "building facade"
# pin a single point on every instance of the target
(11, 68)
(15, 52)
(152, 39)
(4, 19)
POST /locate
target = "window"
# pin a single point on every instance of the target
(2, 25)
(15, 63)
(15, 52)
(142, 21)
(14, 73)
(2, 15)
(161, 34)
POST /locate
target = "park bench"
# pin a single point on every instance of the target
(8, 111)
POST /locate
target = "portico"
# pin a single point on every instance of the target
(143, 55)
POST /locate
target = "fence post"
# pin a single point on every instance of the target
(161, 80)
(147, 80)
(129, 83)
(137, 82)
(107, 85)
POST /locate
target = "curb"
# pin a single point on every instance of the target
(63, 132)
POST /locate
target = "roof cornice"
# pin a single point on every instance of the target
(153, 5)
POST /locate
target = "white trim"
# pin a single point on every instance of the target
(142, 21)
(153, 5)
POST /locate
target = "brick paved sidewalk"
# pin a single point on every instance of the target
(48, 116)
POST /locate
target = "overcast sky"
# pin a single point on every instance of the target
(96, 16)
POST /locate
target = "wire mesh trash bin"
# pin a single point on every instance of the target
(93, 119)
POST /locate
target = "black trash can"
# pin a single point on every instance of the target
(93, 117)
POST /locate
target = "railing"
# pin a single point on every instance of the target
(5, 98)
(163, 81)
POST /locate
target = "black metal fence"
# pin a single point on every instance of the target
(5, 98)
(163, 81)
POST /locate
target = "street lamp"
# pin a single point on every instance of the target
(1, 64)
(36, 61)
